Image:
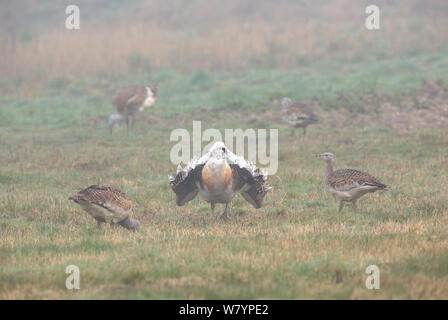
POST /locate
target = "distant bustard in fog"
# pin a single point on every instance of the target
(348, 185)
(107, 204)
(129, 101)
(298, 114)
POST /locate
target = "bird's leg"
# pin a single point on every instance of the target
(224, 215)
(127, 124)
(133, 122)
(341, 204)
(98, 224)
(304, 131)
(212, 205)
(354, 205)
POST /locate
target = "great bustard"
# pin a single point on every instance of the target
(298, 114)
(107, 204)
(348, 185)
(129, 101)
(218, 176)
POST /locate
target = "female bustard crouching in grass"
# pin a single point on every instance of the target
(348, 185)
(107, 204)
(218, 176)
(129, 101)
(298, 115)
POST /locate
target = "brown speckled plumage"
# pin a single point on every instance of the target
(102, 195)
(107, 204)
(345, 179)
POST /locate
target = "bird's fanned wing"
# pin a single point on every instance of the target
(184, 182)
(249, 180)
(347, 179)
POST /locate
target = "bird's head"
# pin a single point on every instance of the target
(286, 102)
(219, 150)
(327, 156)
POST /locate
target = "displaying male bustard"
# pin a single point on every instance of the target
(348, 185)
(129, 101)
(298, 114)
(218, 176)
(107, 204)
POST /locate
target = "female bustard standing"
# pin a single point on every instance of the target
(348, 185)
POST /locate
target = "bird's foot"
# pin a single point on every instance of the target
(224, 216)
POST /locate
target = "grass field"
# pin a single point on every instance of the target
(383, 105)
(296, 246)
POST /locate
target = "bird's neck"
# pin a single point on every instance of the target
(329, 169)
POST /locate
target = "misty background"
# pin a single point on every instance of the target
(129, 37)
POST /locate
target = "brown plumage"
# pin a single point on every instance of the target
(129, 101)
(218, 176)
(298, 114)
(107, 204)
(344, 179)
(209, 177)
(348, 185)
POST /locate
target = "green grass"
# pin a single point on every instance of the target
(294, 247)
